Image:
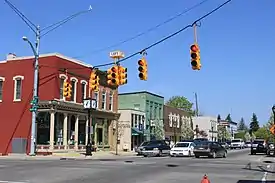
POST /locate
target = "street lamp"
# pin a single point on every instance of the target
(218, 119)
(35, 87)
(175, 126)
(273, 110)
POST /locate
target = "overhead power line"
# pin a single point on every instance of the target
(148, 30)
(167, 37)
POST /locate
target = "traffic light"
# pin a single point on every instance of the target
(67, 90)
(113, 76)
(34, 104)
(122, 75)
(142, 69)
(195, 57)
(94, 81)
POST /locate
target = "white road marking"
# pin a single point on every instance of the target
(5, 181)
(264, 177)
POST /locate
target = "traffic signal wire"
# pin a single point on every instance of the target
(148, 30)
(167, 37)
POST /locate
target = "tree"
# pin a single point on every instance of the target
(254, 124)
(241, 125)
(223, 133)
(180, 102)
(263, 133)
(186, 129)
(247, 137)
(159, 131)
(203, 133)
(228, 118)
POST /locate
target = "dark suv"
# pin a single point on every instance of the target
(258, 146)
(156, 148)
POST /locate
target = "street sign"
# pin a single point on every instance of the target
(272, 129)
(116, 54)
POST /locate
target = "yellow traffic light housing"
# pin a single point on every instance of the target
(142, 69)
(195, 57)
(67, 90)
(113, 76)
(122, 75)
(94, 81)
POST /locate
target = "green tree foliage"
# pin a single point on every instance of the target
(186, 129)
(240, 135)
(242, 126)
(254, 124)
(223, 133)
(263, 133)
(159, 130)
(180, 102)
(228, 118)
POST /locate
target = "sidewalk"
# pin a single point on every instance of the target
(72, 155)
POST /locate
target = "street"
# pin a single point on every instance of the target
(234, 168)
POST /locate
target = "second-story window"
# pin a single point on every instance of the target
(17, 88)
(83, 90)
(74, 89)
(1, 88)
(111, 100)
(96, 97)
(103, 100)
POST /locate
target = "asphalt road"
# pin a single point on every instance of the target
(239, 165)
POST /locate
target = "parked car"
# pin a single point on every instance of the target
(237, 143)
(225, 145)
(210, 149)
(247, 144)
(182, 149)
(156, 148)
(140, 147)
(258, 146)
(270, 149)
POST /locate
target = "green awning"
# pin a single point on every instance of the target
(136, 132)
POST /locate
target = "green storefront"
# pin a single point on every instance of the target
(149, 103)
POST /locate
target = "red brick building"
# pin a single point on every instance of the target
(61, 124)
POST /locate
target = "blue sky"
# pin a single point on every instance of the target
(236, 45)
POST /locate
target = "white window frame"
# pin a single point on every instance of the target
(85, 88)
(15, 79)
(111, 100)
(75, 87)
(104, 92)
(3, 80)
(62, 76)
(97, 98)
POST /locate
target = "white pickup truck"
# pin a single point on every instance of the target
(237, 143)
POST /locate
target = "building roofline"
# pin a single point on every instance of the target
(129, 109)
(50, 55)
(141, 92)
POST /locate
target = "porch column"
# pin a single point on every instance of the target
(86, 131)
(76, 132)
(52, 127)
(65, 130)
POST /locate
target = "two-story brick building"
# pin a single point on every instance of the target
(61, 123)
(174, 121)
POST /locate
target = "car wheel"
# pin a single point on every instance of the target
(160, 153)
(189, 153)
(196, 156)
(214, 155)
(225, 155)
(145, 156)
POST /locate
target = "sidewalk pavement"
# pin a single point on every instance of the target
(72, 155)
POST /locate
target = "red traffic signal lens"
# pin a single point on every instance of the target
(141, 62)
(113, 69)
(194, 63)
(194, 48)
(194, 55)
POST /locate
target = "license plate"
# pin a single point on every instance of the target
(254, 148)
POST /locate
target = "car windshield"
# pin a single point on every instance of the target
(247, 142)
(154, 143)
(235, 141)
(144, 143)
(203, 144)
(182, 145)
(258, 142)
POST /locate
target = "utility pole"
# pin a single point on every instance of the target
(197, 107)
(37, 31)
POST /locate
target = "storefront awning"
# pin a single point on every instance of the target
(136, 132)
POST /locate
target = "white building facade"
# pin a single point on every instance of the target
(209, 125)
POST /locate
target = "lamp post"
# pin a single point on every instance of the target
(273, 110)
(218, 119)
(35, 50)
(143, 126)
(175, 126)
